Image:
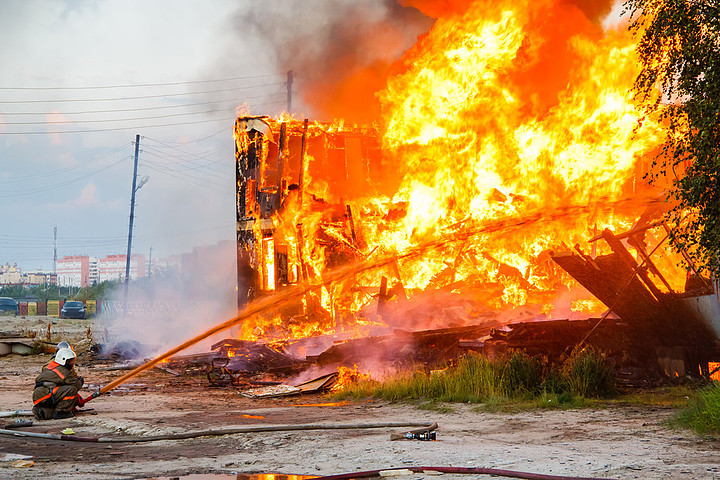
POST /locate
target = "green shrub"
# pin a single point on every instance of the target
(703, 416)
(589, 374)
(522, 375)
(554, 382)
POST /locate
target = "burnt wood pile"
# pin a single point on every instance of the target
(659, 328)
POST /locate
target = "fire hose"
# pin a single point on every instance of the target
(460, 470)
(305, 427)
(208, 433)
(339, 274)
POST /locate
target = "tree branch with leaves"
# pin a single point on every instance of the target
(679, 50)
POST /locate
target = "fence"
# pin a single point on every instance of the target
(108, 308)
(52, 308)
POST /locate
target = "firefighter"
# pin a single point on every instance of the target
(56, 388)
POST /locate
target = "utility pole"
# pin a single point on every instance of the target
(55, 257)
(132, 218)
(289, 90)
(55, 249)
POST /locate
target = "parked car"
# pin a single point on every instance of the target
(73, 309)
(9, 305)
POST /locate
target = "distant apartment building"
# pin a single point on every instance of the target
(83, 270)
(35, 279)
(112, 267)
(10, 274)
(74, 271)
(93, 271)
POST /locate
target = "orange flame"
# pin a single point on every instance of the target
(349, 375)
(504, 109)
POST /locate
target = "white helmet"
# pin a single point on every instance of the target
(63, 355)
(62, 344)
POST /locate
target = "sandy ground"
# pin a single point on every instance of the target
(619, 442)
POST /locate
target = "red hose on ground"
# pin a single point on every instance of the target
(461, 470)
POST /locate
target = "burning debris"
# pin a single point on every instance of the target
(237, 361)
(477, 299)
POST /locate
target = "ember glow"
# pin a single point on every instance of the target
(507, 110)
(349, 375)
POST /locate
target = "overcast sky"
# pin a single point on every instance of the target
(63, 59)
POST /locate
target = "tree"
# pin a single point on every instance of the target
(101, 291)
(679, 49)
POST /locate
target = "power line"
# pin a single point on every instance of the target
(135, 126)
(57, 185)
(97, 87)
(188, 161)
(209, 184)
(186, 157)
(26, 238)
(202, 156)
(116, 128)
(52, 173)
(69, 122)
(140, 97)
(140, 109)
(187, 142)
(197, 168)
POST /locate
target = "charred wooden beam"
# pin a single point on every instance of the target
(282, 153)
(382, 296)
(617, 247)
(632, 240)
(399, 287)
(633, 231)
(352, 224)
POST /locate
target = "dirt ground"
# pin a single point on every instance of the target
(627, 442)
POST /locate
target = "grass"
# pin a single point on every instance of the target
(516, 380)
(703, 414)
(676, 396)
(589, 374)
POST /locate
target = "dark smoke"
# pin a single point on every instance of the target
(340, 51)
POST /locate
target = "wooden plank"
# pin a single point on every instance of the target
(617, 246)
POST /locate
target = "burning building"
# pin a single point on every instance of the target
(506, 143)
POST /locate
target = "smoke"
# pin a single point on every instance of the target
(341, 52)
(175, 305)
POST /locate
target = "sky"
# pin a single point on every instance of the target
(70, 84)
(80, 79)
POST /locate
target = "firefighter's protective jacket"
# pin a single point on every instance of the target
(53, 382)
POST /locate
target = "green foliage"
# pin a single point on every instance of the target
(15, 291)
(522, 374)
(679, 49)
(703, 416)
(41, 292)
(434, 406)
(588, 374)
(99, 292)
(514, 379)
(559, 401)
